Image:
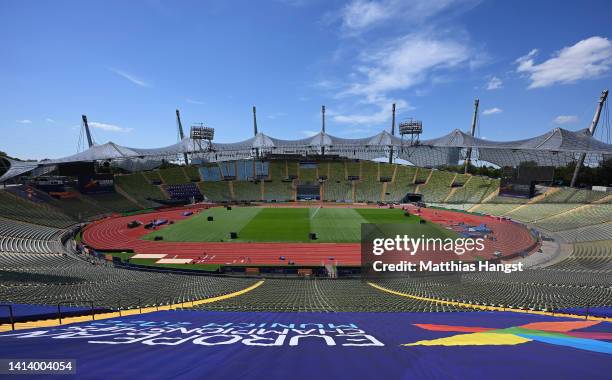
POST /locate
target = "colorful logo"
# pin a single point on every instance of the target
(556, 333)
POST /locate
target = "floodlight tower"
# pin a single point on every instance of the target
(468, 159)
(594, 122)
(412, 128)
(201, 133)
(181, 134)
(392, 133)
(87, 132)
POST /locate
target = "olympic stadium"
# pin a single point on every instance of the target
(246, 260)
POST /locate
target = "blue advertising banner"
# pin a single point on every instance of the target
(224, 345)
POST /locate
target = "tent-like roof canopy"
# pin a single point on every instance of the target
(556, 147)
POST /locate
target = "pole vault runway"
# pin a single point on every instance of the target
(247, 345)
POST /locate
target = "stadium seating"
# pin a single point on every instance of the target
(591, 257)
(308, 175)
(35, 267)
(337, 191)
(461, 179)
(210, 173)
(422, 175)
(368, 188)
(173, 176)
(245, 170)
(262, 169)
(475, 189)
(12, 207)
(53, 278)
(537, 211)
(438, 186)
(192, 172)
(589, 233)
(402, 184)
(586, 215)
(28, 238)
(337, 171)
(140, 189)
(386, 170)
(323, 295)
(292, 169)
(112, 202)
(353, 168)
(538, 289)
(153, 177)
(185, 191)
(215, 191)
(275, 189)
(228, 169)
(247, 191)
(80, 209)
(569, 195)
(497, 209)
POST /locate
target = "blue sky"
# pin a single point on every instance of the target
(128, 65)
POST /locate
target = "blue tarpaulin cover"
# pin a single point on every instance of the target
(225, 345)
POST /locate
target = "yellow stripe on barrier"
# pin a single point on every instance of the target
(484, 307)
(123, 313)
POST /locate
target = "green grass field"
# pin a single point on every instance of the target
(258, 224)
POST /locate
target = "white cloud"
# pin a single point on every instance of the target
(49, 120)
(137, 81)
(398, 65)
(382, 115)
(565, 119)
(360, 15)
(384, 67)
(24, 121)
(309, 133)
(589, 58)
(108, 127)
(494, 83)
(193, 101)
(492, 111)
(403, 63)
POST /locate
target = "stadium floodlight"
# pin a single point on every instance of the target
(200, 132)
(411, 127)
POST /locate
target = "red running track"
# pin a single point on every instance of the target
(112, 234)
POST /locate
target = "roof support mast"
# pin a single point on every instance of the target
(392, 132)
(468, 158)
(323, 128)
(254, 121)
(594, 122)
(255, 129)
(87, 132)
(181, 134)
